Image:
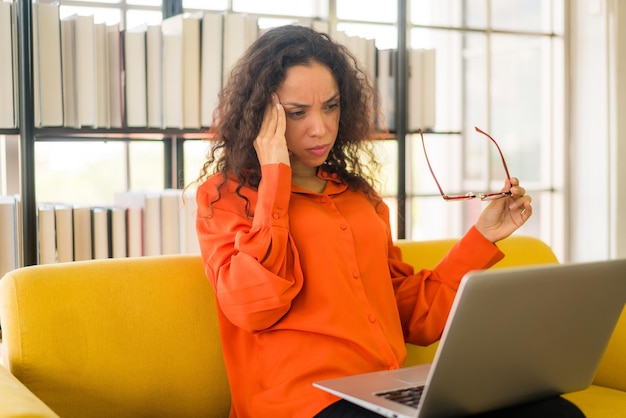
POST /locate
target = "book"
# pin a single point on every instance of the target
(64, 232)
(421, 89)
(240, 30)
(47, 71)
(134, 231)
(429, 88)
(190, 244)
(82, 233)
(211, 65)
(148, 204)
(101, 232)
(9, 233)
(154, 79)
(181, 71)
(385, 83)
(191, 71)
(8, 77)
(152, 241)
(46, 234)
(68, 67)
(118, 232)
(102, 76)
(172, 221)
(115, 73)
(172, 75)
(135, 77)
(363, 49)
(85, 70)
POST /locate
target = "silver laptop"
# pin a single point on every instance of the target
(513, 335)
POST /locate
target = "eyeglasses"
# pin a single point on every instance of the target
(470, 195)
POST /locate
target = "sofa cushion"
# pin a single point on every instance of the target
(18, 401)
(599, 402)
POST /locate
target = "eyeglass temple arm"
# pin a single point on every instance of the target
(432, 172)
(506, 169)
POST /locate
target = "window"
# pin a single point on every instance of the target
(499, 66)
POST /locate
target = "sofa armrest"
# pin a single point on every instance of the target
(18, 401)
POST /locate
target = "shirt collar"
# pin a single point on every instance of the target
(334, 184)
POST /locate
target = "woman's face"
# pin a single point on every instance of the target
(310, 97)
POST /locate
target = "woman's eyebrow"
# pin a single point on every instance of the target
(295, 104)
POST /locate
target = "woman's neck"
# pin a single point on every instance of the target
(306, 178)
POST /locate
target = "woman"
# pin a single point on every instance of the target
(297, 243)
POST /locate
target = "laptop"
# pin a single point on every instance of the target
(513, 335)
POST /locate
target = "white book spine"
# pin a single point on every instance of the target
(172, 72)
(64, 233)
(154, 60)
(191, 72)
(152, 225)
(102, 76)
(47, 71)
(135, 77)
(86, 70)
(114, 60)
(119, 232)
(82, 233)
(171, 211)
(68, 63)
(46, 234)
(211, 77)
(7, 66)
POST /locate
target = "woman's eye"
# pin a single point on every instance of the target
(296, 113)
(332, 106)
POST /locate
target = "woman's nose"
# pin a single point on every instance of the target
(316, 124)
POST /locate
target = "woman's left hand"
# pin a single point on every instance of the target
(503, 216)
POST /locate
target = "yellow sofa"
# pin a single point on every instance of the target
(139, 338)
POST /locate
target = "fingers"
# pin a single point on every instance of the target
(513, 186)
(281, 124)
(270, 119)
(520, 201)
(270, 143)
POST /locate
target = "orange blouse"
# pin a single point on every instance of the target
(312, 288)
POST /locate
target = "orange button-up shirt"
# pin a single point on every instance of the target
(311, 287)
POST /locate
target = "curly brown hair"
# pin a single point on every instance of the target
(258, 73)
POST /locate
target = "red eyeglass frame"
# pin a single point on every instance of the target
(470, 195)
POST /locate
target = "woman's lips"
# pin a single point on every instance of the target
(319, 150)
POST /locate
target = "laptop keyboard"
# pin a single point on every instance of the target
(406, 396)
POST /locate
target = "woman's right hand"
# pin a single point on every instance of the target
(270, 144)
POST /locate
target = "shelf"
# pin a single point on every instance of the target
(173, 139)
(100, 134)
(9, 131)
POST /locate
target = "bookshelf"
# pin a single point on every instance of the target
(29, 134)
(172, 139)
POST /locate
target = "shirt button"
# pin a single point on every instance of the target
(371, 318)
(323, 199)
(343, 226)
(355, 274)
(275, 216)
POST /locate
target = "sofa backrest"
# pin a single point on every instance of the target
(116, 338)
